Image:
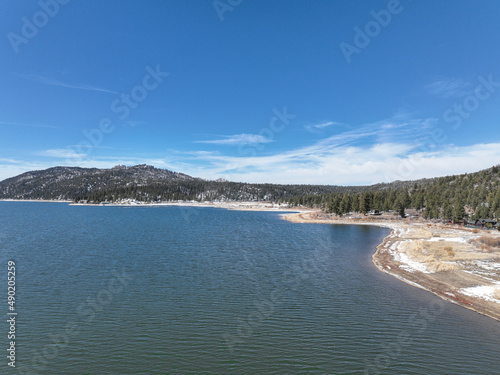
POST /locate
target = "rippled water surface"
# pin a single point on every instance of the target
(165, 290)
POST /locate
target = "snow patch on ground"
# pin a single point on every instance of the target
(407, 264)
(485, 292)
(411, 265)
(448, 239)
(491, 266)
(394, 247)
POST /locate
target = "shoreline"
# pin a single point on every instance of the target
(236, 206)
(35, 200)
(229, 205)
(443, 260)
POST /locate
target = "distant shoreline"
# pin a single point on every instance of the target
(443, 260)
(35, 200)
(237, 206)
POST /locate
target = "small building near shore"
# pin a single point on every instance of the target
(486, 223)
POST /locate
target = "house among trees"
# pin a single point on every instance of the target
(486, 223)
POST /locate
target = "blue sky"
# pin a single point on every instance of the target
(310, 92)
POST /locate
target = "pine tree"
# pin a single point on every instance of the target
(459, 213)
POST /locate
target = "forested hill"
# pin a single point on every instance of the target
(472, 196)
(67, 183)
(144, 183)
(468, 195)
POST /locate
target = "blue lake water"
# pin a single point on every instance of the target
(168, 290)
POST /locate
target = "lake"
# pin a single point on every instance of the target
(169, 290)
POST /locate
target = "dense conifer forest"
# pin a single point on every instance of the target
(472, 196)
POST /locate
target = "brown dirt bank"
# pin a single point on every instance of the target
(457, 264)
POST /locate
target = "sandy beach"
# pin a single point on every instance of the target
(238, 206)
(460, 265)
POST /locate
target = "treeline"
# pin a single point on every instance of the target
(472, 196)
(204, 190)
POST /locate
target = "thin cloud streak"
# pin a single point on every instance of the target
(386, 131)
(62, 153)
(54, 82)
(239, 139)
(320, 127)
(449, 88)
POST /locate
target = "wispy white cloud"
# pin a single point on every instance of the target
(446, 87)
(382, 151)
(315, 164)
(378, 152)
(12, 167)
(317, 127)
(384, 131)
(239, 139)
(63, 153)
(55, 82)
(322, 125)
(350, 165)
(70, 152)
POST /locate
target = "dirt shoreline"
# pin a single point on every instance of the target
(237, 206)
(449, 261)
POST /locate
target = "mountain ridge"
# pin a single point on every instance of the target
(142, 182)
(63, 183)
